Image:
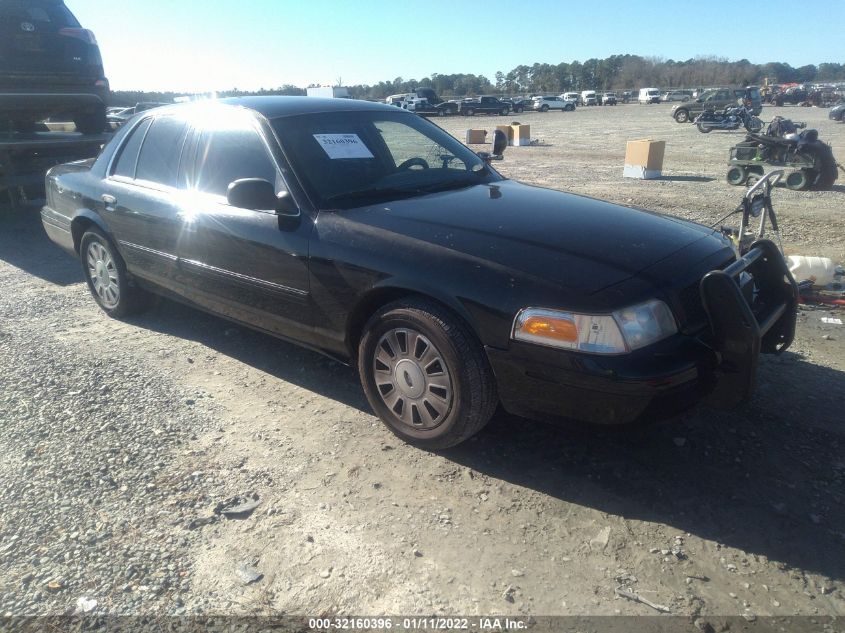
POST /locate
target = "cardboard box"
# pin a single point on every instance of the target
(508, 130)
(476, 137)
(521, 135)
(644, 159)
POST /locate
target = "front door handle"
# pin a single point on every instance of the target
(109, 200)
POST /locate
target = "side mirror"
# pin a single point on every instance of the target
(259, 195)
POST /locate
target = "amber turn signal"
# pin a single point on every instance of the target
(558, 329)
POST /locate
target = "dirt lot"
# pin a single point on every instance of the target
(119, 439)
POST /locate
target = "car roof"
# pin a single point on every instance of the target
(272, 107)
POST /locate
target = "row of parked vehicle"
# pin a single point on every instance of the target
(425, 102)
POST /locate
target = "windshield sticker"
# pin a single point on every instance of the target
(343, 146)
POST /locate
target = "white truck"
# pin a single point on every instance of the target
(588, 98)
(329, 92)
(649, 95)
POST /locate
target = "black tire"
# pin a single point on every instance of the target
(544, 107)
(92, 122)
(442, 112)
(469, 111)
(569, 108)
(798, 180)
(25, 127)
(681, 116)
(825, 173)
(517, 110)
(130, 298)
(703, 128)
(737, 175)
(473, 387)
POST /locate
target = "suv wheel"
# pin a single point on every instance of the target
(425, 375)
(569, 107)
(105, 273)
(91, 123)
(505, 111)
(469, 111)
(544, 107)
(681, 115)
(24, 127)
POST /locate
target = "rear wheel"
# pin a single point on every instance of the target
(754, 125)
(91, 123)
(24, 127)
(425, 375)
(702, 128)
(105, 273)
(798, 180)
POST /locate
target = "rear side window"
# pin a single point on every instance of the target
(226, 155)
(128, 157)
(159, 158)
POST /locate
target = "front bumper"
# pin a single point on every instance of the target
(720, 364)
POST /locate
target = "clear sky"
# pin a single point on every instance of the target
(201, 45)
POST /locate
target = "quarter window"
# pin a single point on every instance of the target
(226, 155)
(159, 158)
(128, 157)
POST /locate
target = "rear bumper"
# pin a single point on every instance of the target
(58, 229)
(52, 100)
(719, 365)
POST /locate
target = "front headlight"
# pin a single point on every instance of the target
(622, 331)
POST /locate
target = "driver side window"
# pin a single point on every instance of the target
(407, 144)
(231, 153)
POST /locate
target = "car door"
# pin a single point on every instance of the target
(138, 201)
(249, 265)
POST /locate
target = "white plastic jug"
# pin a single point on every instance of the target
(820, 269)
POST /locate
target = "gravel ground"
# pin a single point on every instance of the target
(123, 442)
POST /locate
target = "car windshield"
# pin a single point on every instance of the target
(350, 159)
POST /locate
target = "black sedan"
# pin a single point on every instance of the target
(371, 235)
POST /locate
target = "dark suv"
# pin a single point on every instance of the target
(718, 99)
(49, 67)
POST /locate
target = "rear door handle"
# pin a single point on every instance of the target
(109, 201)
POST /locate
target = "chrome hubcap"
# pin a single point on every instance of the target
(103, 274)
(412, 378)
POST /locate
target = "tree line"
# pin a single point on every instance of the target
(617, 72)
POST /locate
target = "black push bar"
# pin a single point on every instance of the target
(752, 307)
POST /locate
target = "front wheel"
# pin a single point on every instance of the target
(505, 111)
(469, 111)
(569, 108)
(425, 374)
(544, 107)
(105, 273)
(681, 116)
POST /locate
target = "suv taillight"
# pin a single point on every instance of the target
(81, 34)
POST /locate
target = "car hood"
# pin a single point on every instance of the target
(557, 238)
